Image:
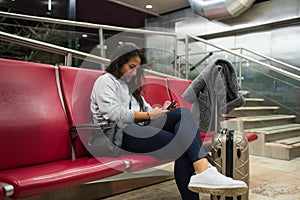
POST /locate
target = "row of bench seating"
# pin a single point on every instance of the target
(39, 103)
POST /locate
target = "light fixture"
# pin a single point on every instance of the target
(148, 6)
(49, 5)
(84, 35)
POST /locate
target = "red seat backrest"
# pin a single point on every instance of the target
(34, 127)
(77, 84)
(155, 91)
(176, 89)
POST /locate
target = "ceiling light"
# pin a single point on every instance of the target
(149, 6)
(84, 35)
(49, 5)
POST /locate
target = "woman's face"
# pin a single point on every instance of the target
(129, 69)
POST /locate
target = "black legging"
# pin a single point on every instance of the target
(173, 136)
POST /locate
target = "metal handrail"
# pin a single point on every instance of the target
(52, 48)
(272, 59)
(81, 24)
(67, 52)
(91, 25)
(253, 52)
(107, 27)
(280, 71)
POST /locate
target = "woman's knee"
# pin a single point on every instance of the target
(182, 111)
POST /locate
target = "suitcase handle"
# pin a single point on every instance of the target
(239, 153)
(224, 131)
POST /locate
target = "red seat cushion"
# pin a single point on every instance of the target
(140, 162)
(33, 180)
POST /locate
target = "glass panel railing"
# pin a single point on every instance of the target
(275, 88)
(29, 47)
(83, 41)
(91, 38)
(269, 60)
(276, 82)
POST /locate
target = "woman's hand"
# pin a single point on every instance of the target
(156, 113)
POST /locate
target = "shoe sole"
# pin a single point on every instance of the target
(219, 191)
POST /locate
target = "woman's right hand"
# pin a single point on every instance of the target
(157, 112)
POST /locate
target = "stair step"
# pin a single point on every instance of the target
(273, 133)
(249, 122)
(257, 108)
(285, 149)
(290, 142)
(253, 101)
(244, 92)
(254, 110)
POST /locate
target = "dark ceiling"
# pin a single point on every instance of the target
(125, 13)
(105, 12)
(95, 11)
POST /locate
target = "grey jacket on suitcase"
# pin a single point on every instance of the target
(216, 83)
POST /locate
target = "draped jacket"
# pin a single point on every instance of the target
(213, 93)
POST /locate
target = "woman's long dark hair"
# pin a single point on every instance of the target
(122, 55)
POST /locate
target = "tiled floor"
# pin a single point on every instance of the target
(270, 179)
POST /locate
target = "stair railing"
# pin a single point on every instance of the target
(67, 52)
(289, 66)
(100, 28)
(232, 52)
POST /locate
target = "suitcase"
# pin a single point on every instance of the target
(230, 155)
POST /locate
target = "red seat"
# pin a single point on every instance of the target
(44, 178)
(156, 91)
(176, 89)
(77, 85)
(2, 193)
(32, 116)
(35, 142)
(35, 145)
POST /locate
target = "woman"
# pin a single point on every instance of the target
(173, 133)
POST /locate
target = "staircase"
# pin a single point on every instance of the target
(278, 134)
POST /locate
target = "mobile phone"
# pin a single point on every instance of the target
(168, 107)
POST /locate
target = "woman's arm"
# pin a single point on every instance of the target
(148, 116)
(110, 100)
(141, 116)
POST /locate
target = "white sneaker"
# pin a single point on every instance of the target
(213, 182)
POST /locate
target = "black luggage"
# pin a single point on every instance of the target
(230, 155)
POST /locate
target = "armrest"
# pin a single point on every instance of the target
(6, 190)
(85, 127)
(82, 127)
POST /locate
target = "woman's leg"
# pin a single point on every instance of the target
(174, 136)
(183, 171)
(171, 135)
